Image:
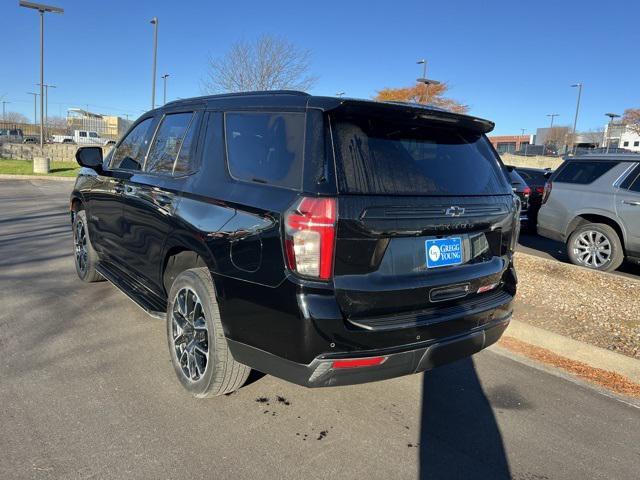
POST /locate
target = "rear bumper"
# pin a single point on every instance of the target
(320, 372)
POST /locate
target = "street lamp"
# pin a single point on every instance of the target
(424, 80)
(46, 102)
(552, 115)
(523, 130)
(154, 22)
(575, 119)
(611, 117)
(339, 94)
(35, 108)
(4, 115)
(42, 9)
(164, 97)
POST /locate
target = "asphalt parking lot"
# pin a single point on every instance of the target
(87, 391)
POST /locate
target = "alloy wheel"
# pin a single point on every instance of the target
(592, 248)
(190, 335)
(80, 246)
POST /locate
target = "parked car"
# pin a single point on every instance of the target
(325, 241)
(80, 137)
(593, 204)
(522, 190)
(535, 178)
(11, 135)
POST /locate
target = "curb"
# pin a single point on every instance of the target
(575, 350)
(6, 176)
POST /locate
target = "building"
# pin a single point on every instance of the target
(107, 126)
(510, 143)
(618, 135)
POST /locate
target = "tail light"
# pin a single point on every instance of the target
(527, 191)
(540, 190)
(547, 191)
(310, 227)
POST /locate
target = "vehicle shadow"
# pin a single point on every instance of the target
(459, 435)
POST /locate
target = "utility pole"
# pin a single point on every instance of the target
(154, 22)
(526, 144)
(164, 95)
(42, 9)
(35, 108)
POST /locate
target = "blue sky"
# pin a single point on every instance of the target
(510, 61)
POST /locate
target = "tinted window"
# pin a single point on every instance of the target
(381, 156)
(93, 134)
(516, 179)
(635, 186)
(186, 161)
(130, 153)
(266, 147)
(533, 177)
(583, 172)
(168, 142)
(83, 134)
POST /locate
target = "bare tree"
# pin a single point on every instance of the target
(556, 137)
(14, 117)
(268, 63)
(631, 118)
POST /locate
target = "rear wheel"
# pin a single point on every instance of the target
(198, 348)
(596, 246)
(86, 257)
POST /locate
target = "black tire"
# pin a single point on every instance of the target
(216, 373)
(603, 241)
(85, 256)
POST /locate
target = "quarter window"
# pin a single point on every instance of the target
(266, 147)
(168, 142)
(130, 153)
(583, 172)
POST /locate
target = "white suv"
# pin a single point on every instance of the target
(593, 204)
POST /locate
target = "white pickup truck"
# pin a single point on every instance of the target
(80, 137)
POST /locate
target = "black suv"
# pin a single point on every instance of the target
(325, 241)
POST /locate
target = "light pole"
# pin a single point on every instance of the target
(426, 81)
(46, 102)
(42, 9)
(339, 94)
(552, 115)
(4, 115)
(164, 98)
(611, 117)
(154, 22)
(35, 108)
(523, 130)
(575, 119)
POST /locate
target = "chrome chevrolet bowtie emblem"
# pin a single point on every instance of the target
(454, 211)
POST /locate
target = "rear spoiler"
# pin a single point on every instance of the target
(413, 111)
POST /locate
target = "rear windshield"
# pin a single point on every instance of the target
(379, 156)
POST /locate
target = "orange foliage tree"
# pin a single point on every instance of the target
(424, 94)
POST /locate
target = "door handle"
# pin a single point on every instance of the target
(632, 202)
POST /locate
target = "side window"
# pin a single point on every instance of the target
(635, 186)
(168, 142)
(583, 172)
(83, 134)
(93, 134)
(266, 147)
(130, 153)
(186, 161)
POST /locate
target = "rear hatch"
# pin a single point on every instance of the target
(425, 215)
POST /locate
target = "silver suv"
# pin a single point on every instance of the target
(593, 204)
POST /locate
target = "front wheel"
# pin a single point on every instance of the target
(596, 246)
(86, 257)
(199, 352)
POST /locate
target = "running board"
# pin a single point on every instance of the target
(132, 289)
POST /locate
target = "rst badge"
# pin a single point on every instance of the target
(443, 251)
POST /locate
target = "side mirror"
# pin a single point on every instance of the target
(90, 157)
